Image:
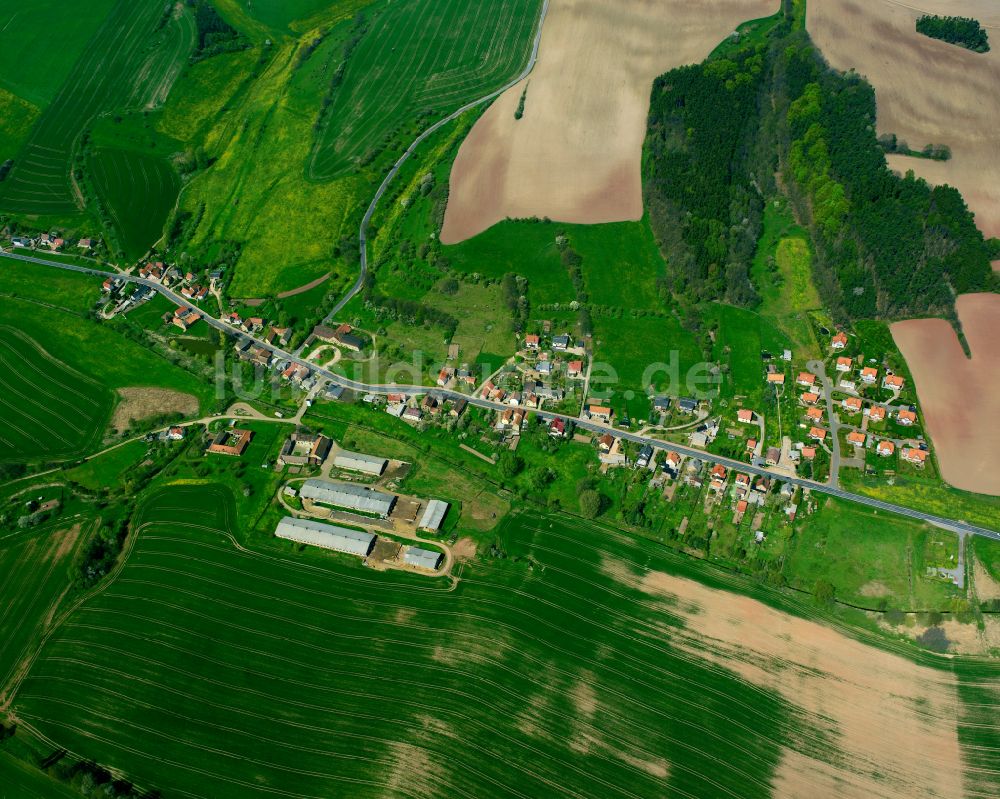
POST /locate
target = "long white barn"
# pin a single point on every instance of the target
(327, 536)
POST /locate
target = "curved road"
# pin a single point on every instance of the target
(363, 232)
(961, 527)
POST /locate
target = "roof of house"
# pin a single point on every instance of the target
(776, 377)
(807, 377)
(886, 446)
(744, 415)
(855, 437)
(907, 416)
(810, 397)
(817, 432)
(814, 413)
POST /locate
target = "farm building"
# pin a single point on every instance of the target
(433, 515)
(351, 497)
(232, 441)
(424, 558)
(359, 462)
(327, 536)
(302, 448)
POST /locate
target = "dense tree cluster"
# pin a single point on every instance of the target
(704, 203)
(101, 553)
(963, 31)
(886, 246)
(215, 35)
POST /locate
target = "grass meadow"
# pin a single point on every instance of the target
(139, 190)
(50, 410)
(123, 66)
(422, 57)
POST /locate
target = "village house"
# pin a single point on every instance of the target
(175, 434)
(856, 438)
(808, 453)
(852, 404)
(465, 375)
(844, 364)
(412, 415)
(869, 375)
(776, 378)
(773, 456)
(687, 405)
(810, 398)
(253, 324)
(605, 442)
(807, 379)
(574, 369)
(304, 449)
(814, 414)
(876, 413)
(184, 318)
(532, 341)
(885, 448)
(561, 343)
(661, 403)
(544, 368)
(600, 412)
(531, 401)
(907, 418)
(817, 434)
(488, 387)
(892, 382)
(745, 416)
(839, 341)
(234, 319)
(445, 376)
(742, 481)
(557, 428)
(672, 461)
(231, 441)
(751, 444)
(431, 404)
(642, 460)
(913, 455)
(85, 244)
(848, 385)
(613, 456)
(458, 407)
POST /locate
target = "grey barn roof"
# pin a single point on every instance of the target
(348, 496)
(359, 462)
(328, 536)
(434, 514)
(424, 558)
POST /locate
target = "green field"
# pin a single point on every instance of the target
(124, 65)
(139, 191)
(424, 56)
(34, 574)
(49, 409)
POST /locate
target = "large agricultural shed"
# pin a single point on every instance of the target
(328, 536)
(359, 462)
(434, 514)
(424, 558)
(351, 497)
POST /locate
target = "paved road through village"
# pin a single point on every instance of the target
(961, 527)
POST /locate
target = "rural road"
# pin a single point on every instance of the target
(363, 232)
(819, 369)
(955, 525)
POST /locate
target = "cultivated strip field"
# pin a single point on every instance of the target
(34, 575)
(139, 190)
(49, 410)
(419, 56)
(573, 667)
(575, 154)
(123, 66)
(958, 394)
(928, 91)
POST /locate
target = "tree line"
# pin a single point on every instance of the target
(963, 31)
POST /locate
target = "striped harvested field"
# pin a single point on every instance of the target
(581, 664)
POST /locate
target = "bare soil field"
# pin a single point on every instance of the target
(575, 154)
(928, 91)
(959, 396)
(853, 691)
(143, 403)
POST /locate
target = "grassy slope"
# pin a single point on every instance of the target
(24, 781)
(17, 116)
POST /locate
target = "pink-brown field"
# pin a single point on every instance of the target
(928, 91)
(960, 397)
(575, 154)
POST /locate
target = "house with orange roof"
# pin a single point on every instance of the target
(885, 448)
(893, 382)
(602, 412)
(907, 418)
(814, 414)
(914, 455)
(777, 378)
(531, 341)
(574, 368)
(876, 413)
(869, 374)
(807, 379)
(719, 472)
(810, 398)
(745, 415)
(856, 438)
(839, 341)
(817, 434)
(852, 404)
(844, 364)
(751, 444)
(673, 459)
(742, 481)
(808, 453)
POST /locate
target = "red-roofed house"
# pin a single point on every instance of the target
(876, 413)
(814, 414)
(914, 455)
(869, 374)
(557, 428)
(885, 448)
(531, 341)
(894, 382)
(906, 417)
(839, 341)
(817, 434)
(806, 379)
(809, 453)
(574, 368)
(810, 398)
(856, 438)
(744, 415)
(844, 364)
(852, 404)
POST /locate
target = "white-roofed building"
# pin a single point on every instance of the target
(434, 514)
(351, 497)
(423, 558)
(359, 462)
(327, 536)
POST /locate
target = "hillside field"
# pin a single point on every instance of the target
(421, 57)
(139, 191)
(49, 409)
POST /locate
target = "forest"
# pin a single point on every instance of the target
(704, 203)
(963, 31)
(887, 246)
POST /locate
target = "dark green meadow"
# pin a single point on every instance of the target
(49, 409)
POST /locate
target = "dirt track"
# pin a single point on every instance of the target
(575, 154)
(960, 398)
(928, 91)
